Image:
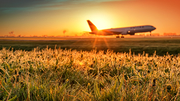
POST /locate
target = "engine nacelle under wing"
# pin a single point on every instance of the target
(127, 32)
(130, 32)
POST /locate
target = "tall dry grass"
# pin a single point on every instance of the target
(56, 74)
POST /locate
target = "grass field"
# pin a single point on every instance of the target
(57, 74)
(137, 45)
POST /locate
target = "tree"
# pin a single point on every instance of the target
(11, 33)
(64, 32)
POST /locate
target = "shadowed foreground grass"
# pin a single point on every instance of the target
(56, 74)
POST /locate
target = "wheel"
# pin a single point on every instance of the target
(122, 36)
(117, 36)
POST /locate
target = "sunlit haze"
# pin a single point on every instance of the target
(52, 17)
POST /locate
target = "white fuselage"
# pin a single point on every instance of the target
(124, 30)
(120, 31)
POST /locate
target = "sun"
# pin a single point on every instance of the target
(100, 23)
(101, 20)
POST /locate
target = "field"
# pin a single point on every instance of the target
(90, 69)
(137, 45)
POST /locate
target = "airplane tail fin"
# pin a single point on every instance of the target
(92, 26)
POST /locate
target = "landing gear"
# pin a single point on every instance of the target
(150, 33)
(122, 36)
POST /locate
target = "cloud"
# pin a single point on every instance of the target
(36, 3)
(14, 6)
(21, 3)
(8, 6)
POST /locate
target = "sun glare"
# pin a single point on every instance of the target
(101, 20)
(101, 23)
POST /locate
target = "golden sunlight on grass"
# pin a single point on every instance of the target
(56, 74)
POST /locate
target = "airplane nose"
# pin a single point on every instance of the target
(154, 28)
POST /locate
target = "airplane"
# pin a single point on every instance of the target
(120, 31)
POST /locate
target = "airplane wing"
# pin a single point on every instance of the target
(113, 31)
(107, 32)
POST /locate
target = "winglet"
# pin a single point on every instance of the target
(92, 26)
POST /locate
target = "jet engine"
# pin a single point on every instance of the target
(130, 33)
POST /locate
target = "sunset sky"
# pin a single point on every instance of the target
(51, 17)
